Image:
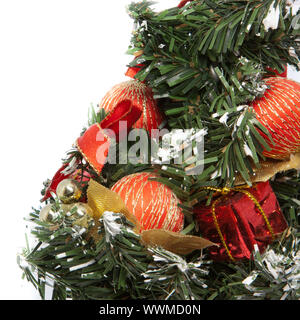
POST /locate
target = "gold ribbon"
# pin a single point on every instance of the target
(224, 192)
(102, 199)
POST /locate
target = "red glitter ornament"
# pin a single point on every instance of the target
(279, 111)
(241, 220)
(141, 96)
(151, 202)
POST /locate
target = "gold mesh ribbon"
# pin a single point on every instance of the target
(175, 242)
(224, 192)
(102, 199)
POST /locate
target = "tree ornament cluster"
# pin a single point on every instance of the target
(159, 229)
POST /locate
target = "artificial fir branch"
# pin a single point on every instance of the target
(174, 278)
(209, 57)
(117, 266)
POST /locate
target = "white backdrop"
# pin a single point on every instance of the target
(56, 58)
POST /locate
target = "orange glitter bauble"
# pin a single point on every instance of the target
(141, 96)
(153, 204)
(279, 111)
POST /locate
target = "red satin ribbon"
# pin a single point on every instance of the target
(283, 74)
(123, 111)
(94, 144)
(58, 177)
(183, 3)
(132, 71)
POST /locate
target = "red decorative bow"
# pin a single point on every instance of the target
(94, 144)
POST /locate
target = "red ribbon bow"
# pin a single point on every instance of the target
(94, 144)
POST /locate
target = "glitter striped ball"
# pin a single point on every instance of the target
(279, 111)
(140, 95)
(153, 204)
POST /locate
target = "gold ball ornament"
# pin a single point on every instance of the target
(47, 214)
(82, 216)
(80, 210)
(68, 191)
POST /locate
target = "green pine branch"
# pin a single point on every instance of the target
(205, 62)
(115, 267)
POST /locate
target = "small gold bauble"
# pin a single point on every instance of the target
(68, 191)
(82, 209)
(47, 214)
(82, 215)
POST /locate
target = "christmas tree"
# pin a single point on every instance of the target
(185, 184)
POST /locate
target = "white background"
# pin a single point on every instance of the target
(56, 58)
